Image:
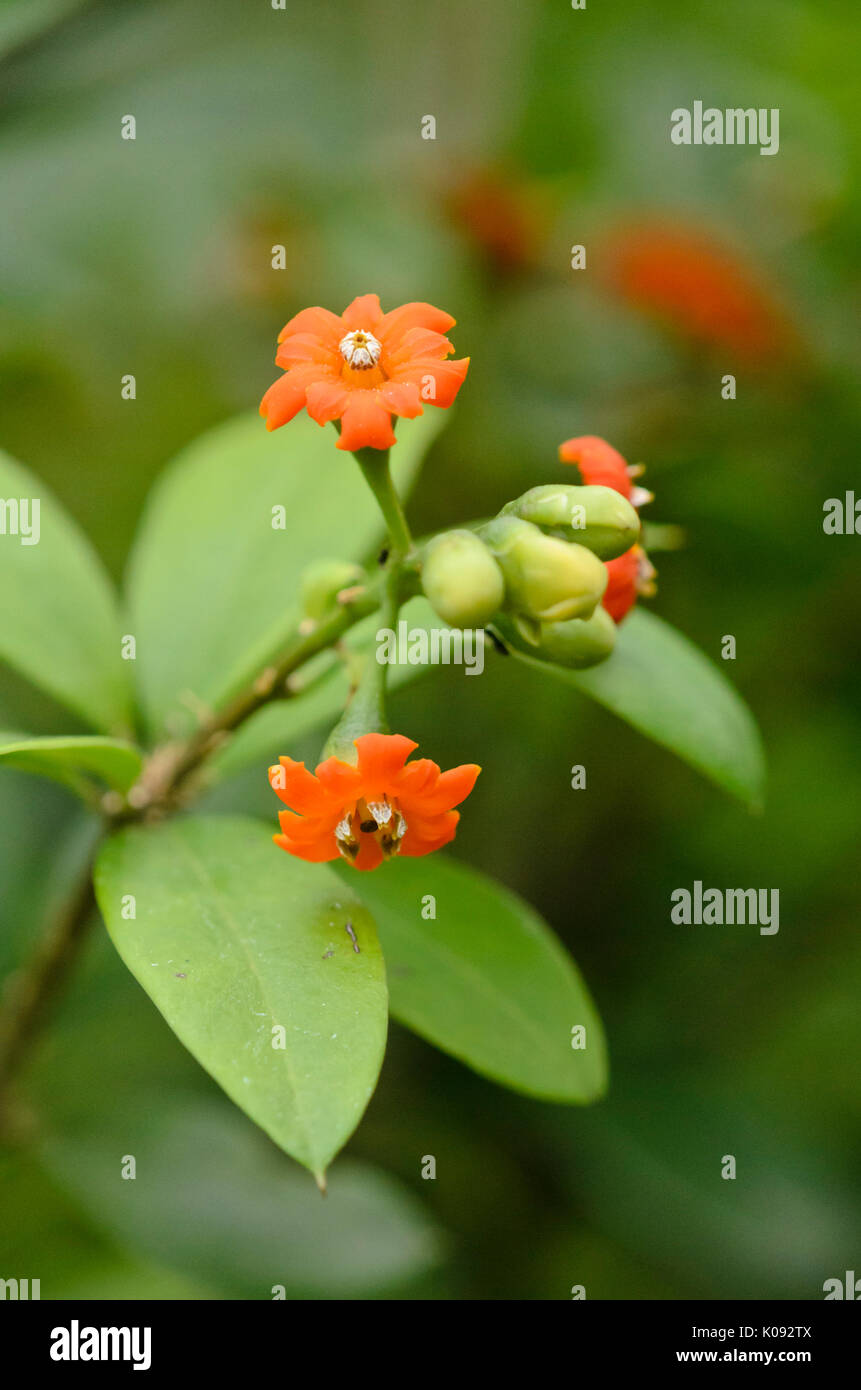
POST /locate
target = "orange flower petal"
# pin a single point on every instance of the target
(306, 347)
(297, 787)
(417, 778)
(415, 844)
(418, 342)
(598, 461)
(447, 378)
(370, 855)
(322, 852)
(286, 397)
(363, 312)
(397, 322)
(621, 592)
(402, 398)
(341, 780)
(321, 323)
(326, 400)
(382, 757)
(452, 788)
(307, 830)
(365, 423)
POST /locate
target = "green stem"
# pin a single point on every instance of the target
(169, 778)
(366, 711)
(374, 464)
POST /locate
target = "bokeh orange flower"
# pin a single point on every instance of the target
(362, 367)
(703, 290)
(374, 809)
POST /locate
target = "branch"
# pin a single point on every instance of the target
(32, 992)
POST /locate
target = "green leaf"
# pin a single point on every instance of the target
(67, 759)
(59, 620)
(486, 980)
(234, 939)
(22, 21)
(214, 1201)
(213, 586)
(84, 1263)
(663, 685)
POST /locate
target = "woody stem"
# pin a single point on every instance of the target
(32, 991)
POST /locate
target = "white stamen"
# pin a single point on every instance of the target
(346, 841)
(360, 349)
(640, 497)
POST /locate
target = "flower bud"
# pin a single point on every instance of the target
(461, 579)
(546, 579)
(576, 644)
(323, 581)
(595, 516)
(581, 642)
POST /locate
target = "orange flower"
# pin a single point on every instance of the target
(631, 574)
(369, 812)
(698, 287)
(362, 368)
(628, 576)
(603, 466)
(503, 215)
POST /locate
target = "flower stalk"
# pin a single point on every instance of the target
(376, 470)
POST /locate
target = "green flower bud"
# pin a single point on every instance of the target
(598, 517)
(323, 581)
(579, 643)
(545, 578)
(461, 579)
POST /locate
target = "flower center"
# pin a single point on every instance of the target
(380, 819)
(360, 349)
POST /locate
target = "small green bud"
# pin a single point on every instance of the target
(461, 579)
(323, 581)
(579, 643)
(598, 517)
(545, 578)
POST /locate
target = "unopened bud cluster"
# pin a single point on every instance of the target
(536, 572)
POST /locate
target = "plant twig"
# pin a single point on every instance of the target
(32, 992)
(169, 769)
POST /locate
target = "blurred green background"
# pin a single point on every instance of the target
(301, 127)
